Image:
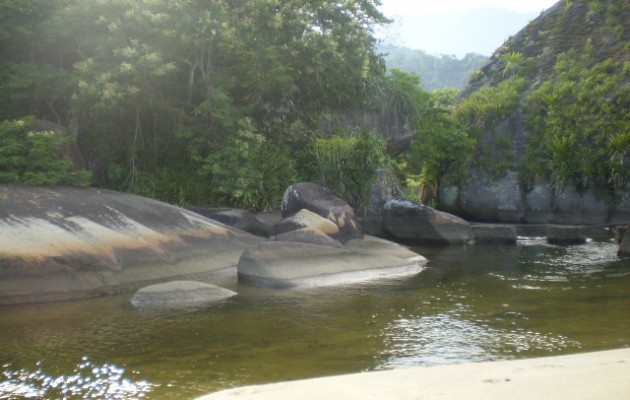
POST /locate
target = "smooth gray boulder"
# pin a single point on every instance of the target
(292, 264)
(321, 201)
(179, 294)
(307, 219)
(417, 223)
(565, 235)
(62, 243)
(493, 233)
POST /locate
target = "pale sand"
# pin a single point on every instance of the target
(593, 376)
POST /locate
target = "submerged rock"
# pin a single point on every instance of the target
(62, 243)
(179, 294)
(565, 234)
(494, 233)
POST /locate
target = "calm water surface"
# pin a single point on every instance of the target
(472, 303)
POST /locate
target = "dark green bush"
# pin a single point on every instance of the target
(36, 158)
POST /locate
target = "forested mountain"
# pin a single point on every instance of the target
(435, 71)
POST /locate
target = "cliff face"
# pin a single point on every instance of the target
(550, 114)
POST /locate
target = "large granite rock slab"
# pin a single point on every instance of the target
(62, 243)
(293, 264)
(417, 223)
(179, 294)
(323, 202)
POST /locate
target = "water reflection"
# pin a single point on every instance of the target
(87, 381)
(444, 339)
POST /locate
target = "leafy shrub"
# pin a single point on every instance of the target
(346, 165)
(35, 158)
(247, 170)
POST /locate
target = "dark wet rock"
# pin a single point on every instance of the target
(485, 199)
(538, 203)
(179, 294)
(417, 223)
(584, 208)
(292, 264)
(323, 202)
(565, 234)
(494, 233)
(242, 220)
(620, 233)
(307, 219)
(624, 247)
(309, 235)
(61, 243)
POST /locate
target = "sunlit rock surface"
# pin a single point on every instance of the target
(293, 264)
(61, 243)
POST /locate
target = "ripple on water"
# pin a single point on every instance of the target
(444, 339)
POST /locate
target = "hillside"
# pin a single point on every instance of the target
(436, 71)
(550, 114)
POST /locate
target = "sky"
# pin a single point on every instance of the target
(412, 7)
(457, 27)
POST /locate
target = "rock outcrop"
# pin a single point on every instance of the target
(323, 202)
(545, 113)
(62, 243)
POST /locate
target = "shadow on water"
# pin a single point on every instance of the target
(472, 303)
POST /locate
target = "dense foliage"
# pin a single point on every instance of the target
(346, 165)
(37, 158)
(189, 100)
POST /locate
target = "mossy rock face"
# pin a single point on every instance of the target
(551, 104)
(62, 243)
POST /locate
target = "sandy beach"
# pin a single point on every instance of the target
(597, 375)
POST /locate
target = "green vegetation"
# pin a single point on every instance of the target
(36, 158)
(346, 166)
(228, 102)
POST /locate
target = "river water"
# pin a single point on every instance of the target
(472, 303)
